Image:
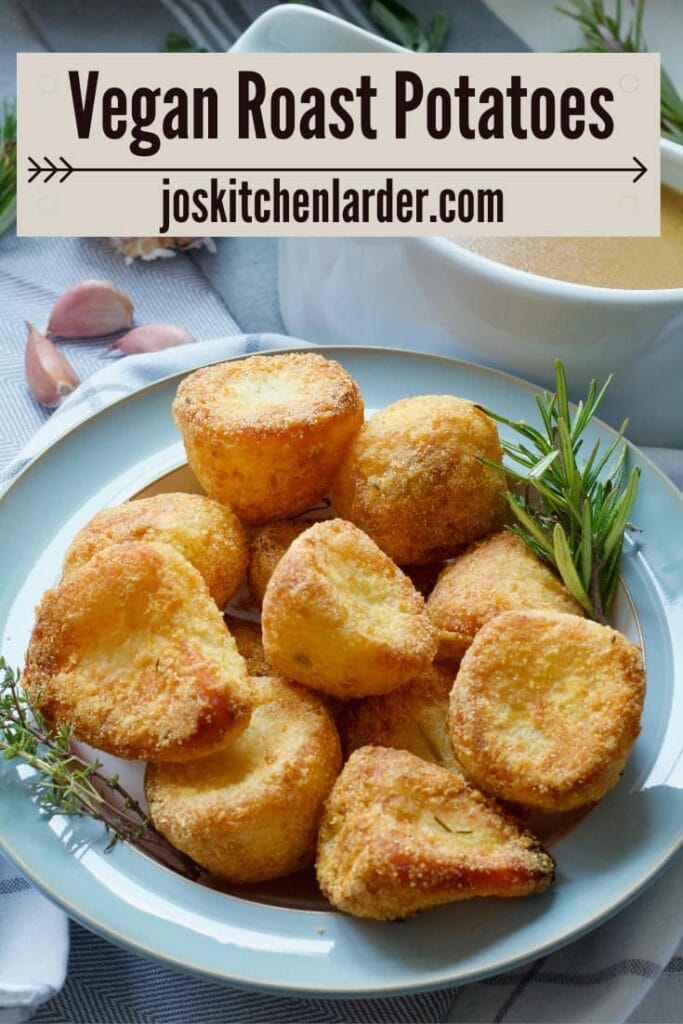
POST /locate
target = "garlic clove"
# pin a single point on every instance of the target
(89, 310)
(48, 374)
(151, 338)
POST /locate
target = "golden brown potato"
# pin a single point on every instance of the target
(413, 481)
(247, 636)
(546, 708)
(208, 534)
(266, 434)
(251, 811)
(340, 617)
(414, 718)
(266, 550)
(132, 651)
(498, 574)
(399, 835)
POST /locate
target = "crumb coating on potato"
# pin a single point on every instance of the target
(266, 550)
(399, 835)
(412, 479)
(132, 652)
(546, 708)
(266, 434)
(340, 617)
(250, 812)
(414, 718)
(247, 636)
(207, 533)
(497, 574)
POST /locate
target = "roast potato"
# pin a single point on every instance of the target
(265, 435)
(414, 482)
(208, 534)
(340, 617)
(546, 708)
(132, 652)
(399, 835)
(250, 812)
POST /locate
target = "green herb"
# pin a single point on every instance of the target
(68, 784)
(605, 33)
(398, 23)
(443, 824)
(8, 166)
(571, 514)
(175, 43)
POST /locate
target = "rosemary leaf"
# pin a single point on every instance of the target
(586, 550)
(529, 524)
(567, 569)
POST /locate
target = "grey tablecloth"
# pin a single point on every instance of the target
(602, 978)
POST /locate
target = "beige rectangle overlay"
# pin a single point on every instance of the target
(553, 186)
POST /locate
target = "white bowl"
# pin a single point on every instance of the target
(433, 295)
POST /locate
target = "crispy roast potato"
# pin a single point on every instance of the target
(546, 708)
(413, 482)
(498, 574)
(247, 636)
(132, 651)
(399, 835)
(208, 534)
(340, 617)
(266, 434)
(414, 718)
(266, 550)
(250, 812)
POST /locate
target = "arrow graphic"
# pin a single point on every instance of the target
(51, 168)
(66, 170)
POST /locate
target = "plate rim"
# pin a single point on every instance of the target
(354, 991)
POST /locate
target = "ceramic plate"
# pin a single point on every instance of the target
(604, 859)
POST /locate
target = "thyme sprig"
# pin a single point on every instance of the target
(68, 784)
(612, 33)
(572, 514)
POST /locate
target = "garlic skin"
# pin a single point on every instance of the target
(49, 376)
(89, 310)
(151, 338)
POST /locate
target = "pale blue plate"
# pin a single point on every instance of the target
(603, 861)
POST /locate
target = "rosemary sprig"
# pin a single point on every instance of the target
(571, 514)
(8, 166)
(609, 33)
(68, 784)
(398, 23)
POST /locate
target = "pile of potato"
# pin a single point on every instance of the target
(395, 741)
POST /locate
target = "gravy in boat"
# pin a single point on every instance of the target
(602, 262)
